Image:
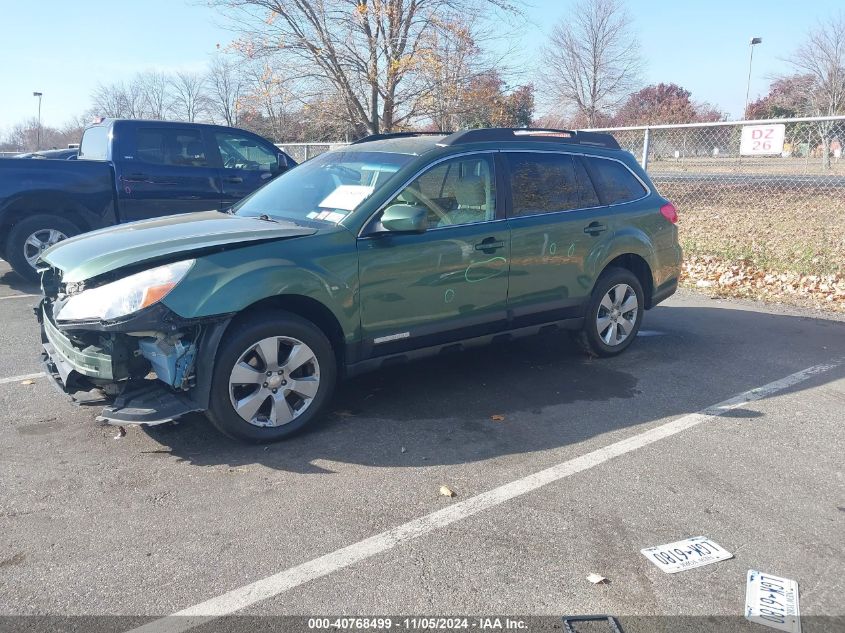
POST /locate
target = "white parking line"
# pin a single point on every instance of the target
(17, 297)
(5, 381)
(276, 584)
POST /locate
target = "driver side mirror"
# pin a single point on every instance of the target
(283, 164)
(405, 218)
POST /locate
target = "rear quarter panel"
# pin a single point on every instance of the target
(640, 229)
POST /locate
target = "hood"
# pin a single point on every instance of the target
(108, 249)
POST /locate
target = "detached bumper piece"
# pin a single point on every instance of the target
(68, 381)
(72, 371)
(146, 402)
(87, 375)
(88, 362)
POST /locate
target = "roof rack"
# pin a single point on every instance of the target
(500, 134)
(389, 135)
(596, 139)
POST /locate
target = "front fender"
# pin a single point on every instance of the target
(231, 281)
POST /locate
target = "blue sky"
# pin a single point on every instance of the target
(64, 49)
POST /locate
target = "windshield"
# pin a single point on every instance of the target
(326, 188)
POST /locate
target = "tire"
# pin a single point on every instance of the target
(608, 330)
(21, 247)
(283, 401)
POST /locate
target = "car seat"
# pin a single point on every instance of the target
(471, 197)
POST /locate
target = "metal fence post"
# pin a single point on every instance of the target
(646, 139)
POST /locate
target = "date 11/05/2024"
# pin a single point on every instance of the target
(419, 623)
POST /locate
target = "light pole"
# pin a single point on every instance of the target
(38, 133)
(754, 41)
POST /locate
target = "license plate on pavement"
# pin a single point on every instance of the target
(772, 601)
(687, 554)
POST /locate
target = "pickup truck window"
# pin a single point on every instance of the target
(168, 146)
(95, 143)
(326, 188)
(239, 151)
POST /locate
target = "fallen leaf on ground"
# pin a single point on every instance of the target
(446, 491)
(497, 417)
(28, 381)
(596, 579)
(404, 450)
(121, 432)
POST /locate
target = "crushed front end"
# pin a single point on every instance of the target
(142, 365)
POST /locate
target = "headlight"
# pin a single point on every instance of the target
(126, 295)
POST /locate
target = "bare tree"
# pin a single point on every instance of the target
(225, 87)
(365, 50)
(109, 100)
(269, 96)
(134, 98)
(24, 135)
(190, 100)
(449, 61)
(592, 59)
(125, 100)
(822, 58)
(156, 94)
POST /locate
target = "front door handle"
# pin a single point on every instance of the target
(489, 245)
(595, 228)
(235, 179)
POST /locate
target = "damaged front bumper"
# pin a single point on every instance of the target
(143, 376)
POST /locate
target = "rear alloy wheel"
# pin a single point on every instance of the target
(273, 375)
(30, 237)
(614, 314)
(617, 315)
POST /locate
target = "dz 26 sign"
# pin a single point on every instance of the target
(760, 140)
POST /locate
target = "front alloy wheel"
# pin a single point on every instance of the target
(273, 374)
(274, 381)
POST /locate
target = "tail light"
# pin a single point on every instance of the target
(669, 212)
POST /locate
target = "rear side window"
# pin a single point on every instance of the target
(543, 183)
(161, 146)
(95, 143)
(613, 182)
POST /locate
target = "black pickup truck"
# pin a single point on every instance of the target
(128, 170)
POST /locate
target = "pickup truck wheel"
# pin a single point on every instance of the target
(613, 315)
(32, 236)
(273, 375)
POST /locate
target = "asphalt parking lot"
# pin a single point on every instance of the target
(347, 519)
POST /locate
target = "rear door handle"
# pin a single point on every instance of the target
(235, 179)
(489, 245)
(136, 176)
(594, 228)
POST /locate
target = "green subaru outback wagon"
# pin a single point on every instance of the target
(388, 249)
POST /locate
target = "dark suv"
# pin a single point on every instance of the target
(391, 248)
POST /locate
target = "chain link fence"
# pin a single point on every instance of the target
(301, 152)
(746, 197)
